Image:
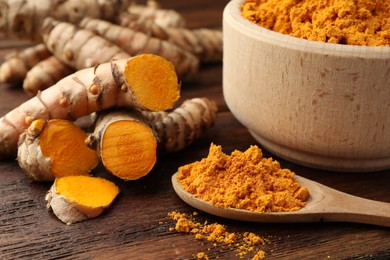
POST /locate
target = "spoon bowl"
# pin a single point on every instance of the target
(324, 204)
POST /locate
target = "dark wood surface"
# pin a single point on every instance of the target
(137, 226)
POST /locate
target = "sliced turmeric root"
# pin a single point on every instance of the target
(128, 141)
(127, 146)
(146, 82)
(53, 149)
(77, 198)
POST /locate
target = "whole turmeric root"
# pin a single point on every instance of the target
(206, 44)
(146, 81)
(53, 149)
(77, 47)
(142, 24)
(134, 43)
(126, 145)
(45, 74)
(23, 19)
(166, 18)
(77, 198)
(17, 64)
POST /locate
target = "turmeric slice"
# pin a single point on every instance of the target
(77, 198)
(146, 82)
(54, 149)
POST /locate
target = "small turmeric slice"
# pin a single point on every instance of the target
(53, 149)
(77, 198)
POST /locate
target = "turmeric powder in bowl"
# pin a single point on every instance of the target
(351, 22)
(243, 180)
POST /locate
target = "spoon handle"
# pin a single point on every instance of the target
(340, 206)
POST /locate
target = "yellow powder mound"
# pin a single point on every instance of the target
(352, 22)
(243, 180)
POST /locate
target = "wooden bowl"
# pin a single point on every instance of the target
(318, 104)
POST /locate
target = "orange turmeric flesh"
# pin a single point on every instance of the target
(90, 192)
(64, 143)
(129, 149)
(153, 81)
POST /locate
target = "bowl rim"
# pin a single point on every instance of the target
(232, 14)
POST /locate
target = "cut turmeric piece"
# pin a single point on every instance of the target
(129, 149)
(77, 198)
(54, 149)
(127, 146)
(149, 86)
(128, 141)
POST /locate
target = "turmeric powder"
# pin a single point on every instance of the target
(243, 243)
(358, 22)
(243, 180)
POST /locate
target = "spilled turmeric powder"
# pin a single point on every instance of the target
(243, 180)
(244, 243)
(351, 22)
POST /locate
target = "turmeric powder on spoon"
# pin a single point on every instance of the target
(243, 180)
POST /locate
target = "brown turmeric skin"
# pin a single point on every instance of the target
(243, 180)
(359, 22)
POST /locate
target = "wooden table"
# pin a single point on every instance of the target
(137, 226)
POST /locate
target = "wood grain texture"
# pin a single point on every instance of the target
(137, 226)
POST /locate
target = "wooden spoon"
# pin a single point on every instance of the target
(325, 204)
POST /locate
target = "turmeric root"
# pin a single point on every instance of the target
(45, 74)
(126, 145)
(142, 24)
(146, 81)
(17, 64)
(77, 198)
(76, 47)
(205, 44)
(177, 129)
(163, 17)
(127, 141)
(134, 43)
(53, 149)
(23, 19)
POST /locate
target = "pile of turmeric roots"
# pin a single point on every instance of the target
(104, 80)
